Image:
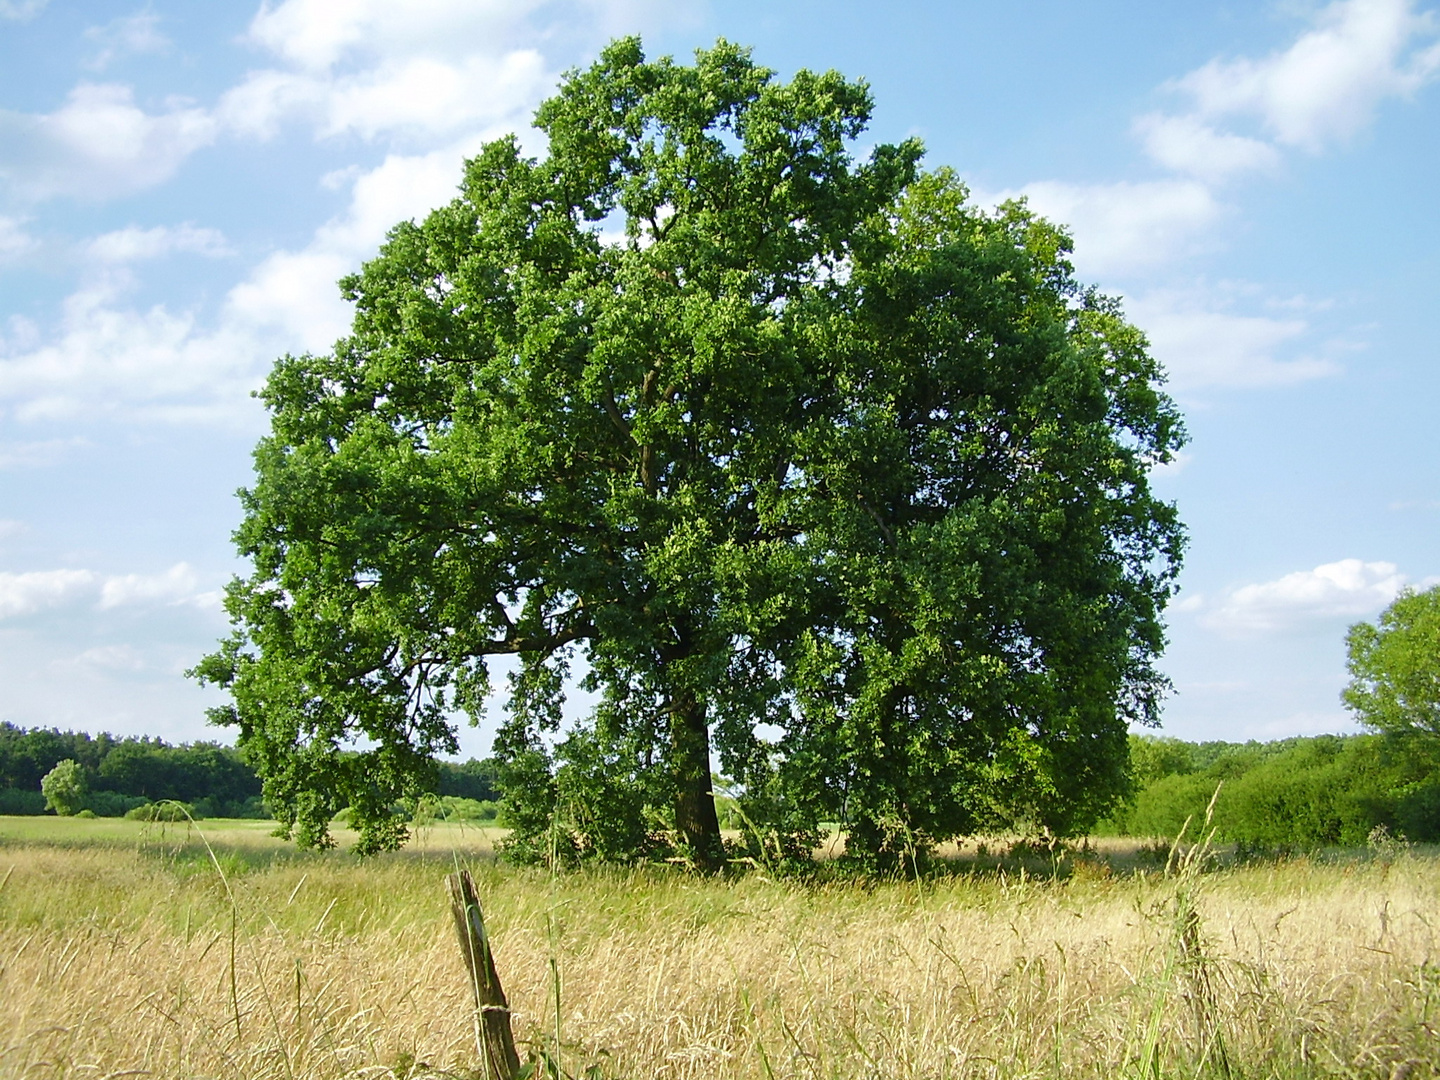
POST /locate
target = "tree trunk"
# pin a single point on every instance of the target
(694, 800)
(493, 1037)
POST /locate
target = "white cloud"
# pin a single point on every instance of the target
(1187, 144)
(134, 243)
(45, 590)
(14, 240)
(317, 34)
(10, 527)
(99, 144)
(419, 95)
(1172, 468)
(1321, 90)
(1125, 227)
(162, 363)
(173, 586)
(430, 68)
(1349, 589)
(1326, 86)
(25, 594)
(126, 36)
(1203, 345)
(293, 293)
(21, 10)
(112, 359)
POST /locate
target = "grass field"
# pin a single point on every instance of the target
(125, 951)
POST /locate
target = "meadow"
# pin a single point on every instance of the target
(133, 949)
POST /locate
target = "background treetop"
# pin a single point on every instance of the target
(1395, 666)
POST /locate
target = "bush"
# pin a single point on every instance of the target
(252, 808)
(169, 810)
(86, 813)
(1162, 808)
(112, 803)
(19, 801)
(1304, 793)
(453, 808)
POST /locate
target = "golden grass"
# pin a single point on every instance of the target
(132, 956)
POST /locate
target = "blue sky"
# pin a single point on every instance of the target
(181, 183)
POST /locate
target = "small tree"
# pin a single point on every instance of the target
(64, 788)
(1395, 666)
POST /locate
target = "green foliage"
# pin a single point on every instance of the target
(120, 774)
(112, 803)
(165, 810)
(1152, 759)
(481, 811)
(472, 779)
(819, 467)
(1395, 666)
(13, 801)
(1300, 794)
(64, 788)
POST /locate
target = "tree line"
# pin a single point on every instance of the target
(118, 775)
(1294, 794)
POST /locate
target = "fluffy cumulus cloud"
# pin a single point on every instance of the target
(26, 594)
(418, 96)
(1349, 589)
(1189, 145)
(433, 68)
(1321, 90)
(292, 293)
(429, 81)
(45, 590)
(99, 144)
(133, 243)
(110, 358)
(36, 453)
(1124, 228)
(1205, 344)
(160, 363)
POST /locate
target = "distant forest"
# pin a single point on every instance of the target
(122, 775)
(1295, 794)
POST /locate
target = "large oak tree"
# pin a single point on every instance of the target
(801, 456)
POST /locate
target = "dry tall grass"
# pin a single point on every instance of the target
(139, 959)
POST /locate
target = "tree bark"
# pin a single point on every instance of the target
(493, 1037)
(695, 817)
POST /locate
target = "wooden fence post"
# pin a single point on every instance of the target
(492, 1012)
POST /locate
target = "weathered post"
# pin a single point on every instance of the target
(492, 1012)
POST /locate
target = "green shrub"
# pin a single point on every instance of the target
(169, 810)
(86, 813)
(112, 803)
(455, 808)
(1320, 791)
(1162, 808)
(20, 801)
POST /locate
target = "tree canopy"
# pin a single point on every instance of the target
(1395, 666)
(779, 451)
